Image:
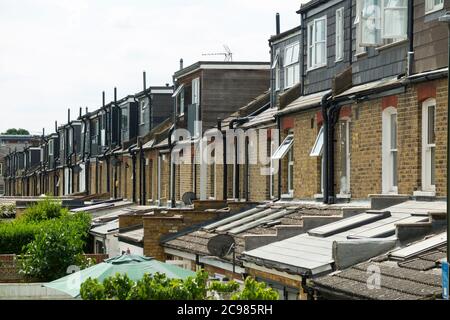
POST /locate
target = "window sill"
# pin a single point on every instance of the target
(339, 60)
(361, 55)
(315, 68)
(424, 194)
(390, 45)
(434, 10)
(344, 196)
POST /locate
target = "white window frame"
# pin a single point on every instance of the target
(276, 70)
(388, 151)
(340, 34)
(399, 36)
(317, 149)
(51, 147)
(159, 175)
(345, 189)
(196, 102)
(284, 148)
(371, 17)
(427, 169)
(1, 169)
(291, 65)
(272, 171)
(142, 108)
(359, 50)
(291, 171)
(62, 141)
(313, 42)
(431, 6)
(213, 195)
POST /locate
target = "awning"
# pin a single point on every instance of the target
(304, 102)
(177, 92)
(284, 148)
(371, 86)
(317, 150)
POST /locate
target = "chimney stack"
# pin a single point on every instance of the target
(115, 94)
(144, 76)
(181, 64)
(68, 115)
(278, 23)
(103, 98)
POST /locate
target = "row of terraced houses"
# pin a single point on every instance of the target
(353, 104)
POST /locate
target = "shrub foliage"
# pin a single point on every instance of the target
(159, 287)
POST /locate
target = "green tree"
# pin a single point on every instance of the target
(17, 132)
(57, 246)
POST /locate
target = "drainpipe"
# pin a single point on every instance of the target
(172, 171)
(225, 165)
(302, 64)
(133, 159)
(108, 148)
(247, 197)
(70, 165)
(326, 128)
(279, 161)
(143, 177)
(233, 126)
(410, 60)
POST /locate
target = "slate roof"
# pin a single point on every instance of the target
(312, 252)
(196, 241)
(418, 278)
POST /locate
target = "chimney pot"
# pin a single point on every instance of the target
(278, 23)
(181, 64)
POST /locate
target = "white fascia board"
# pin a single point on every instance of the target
(272, 271)
(161, 91)
(296, 34)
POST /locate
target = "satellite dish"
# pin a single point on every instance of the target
(221, 245)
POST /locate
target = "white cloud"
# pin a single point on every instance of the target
(56, 54)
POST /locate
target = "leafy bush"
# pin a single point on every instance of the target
(254, 290)
(56, 246)
(159, 287)
(44, 210)
(15, 234)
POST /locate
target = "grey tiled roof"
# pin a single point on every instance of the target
(418, 278)
(196, 242)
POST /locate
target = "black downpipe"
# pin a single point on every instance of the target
(410, 36)
(279, 161)
(143, 178)
(236, 156)
(225, 165)
(133, 159)
(247, 191)
(333, 118)
(172, 171)
(326, 128)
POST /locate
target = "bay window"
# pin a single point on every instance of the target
(317, 43)
(292, 65)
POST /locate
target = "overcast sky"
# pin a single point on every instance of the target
(56, 54)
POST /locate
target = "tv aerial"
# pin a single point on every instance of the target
(227, 54)
(221, 246)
